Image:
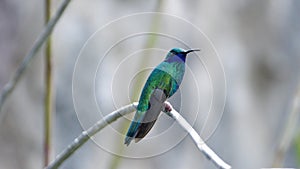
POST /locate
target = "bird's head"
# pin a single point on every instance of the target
(178, 54)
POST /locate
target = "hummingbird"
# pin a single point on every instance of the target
(161, 84)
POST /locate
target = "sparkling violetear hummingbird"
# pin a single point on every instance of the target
(162, 83)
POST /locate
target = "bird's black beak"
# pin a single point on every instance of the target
(191, 50)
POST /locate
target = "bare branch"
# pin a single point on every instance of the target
(85, 135)
(9, 87)
(209, 153)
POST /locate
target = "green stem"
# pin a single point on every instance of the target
(48, 91)
(289, 131)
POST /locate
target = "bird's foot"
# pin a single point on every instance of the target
(167, 107)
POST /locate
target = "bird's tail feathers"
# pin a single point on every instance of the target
(132, 131)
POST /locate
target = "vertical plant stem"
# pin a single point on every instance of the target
(289, 130)
(48, 90)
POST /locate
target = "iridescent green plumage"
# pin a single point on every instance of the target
(166, 76)
(162, 83)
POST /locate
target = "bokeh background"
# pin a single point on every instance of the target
(255, 42)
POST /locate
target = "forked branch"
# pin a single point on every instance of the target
(85, 135)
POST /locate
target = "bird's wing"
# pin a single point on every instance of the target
(157, 99)
(153, 96)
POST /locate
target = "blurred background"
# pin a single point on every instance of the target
(238, 92)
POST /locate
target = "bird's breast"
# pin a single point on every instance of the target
(175, 70)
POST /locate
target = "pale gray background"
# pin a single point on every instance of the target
(257, 42)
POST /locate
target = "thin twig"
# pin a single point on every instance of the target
(48, 91)
(209, 153)
(9, 87)
(85, 135)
